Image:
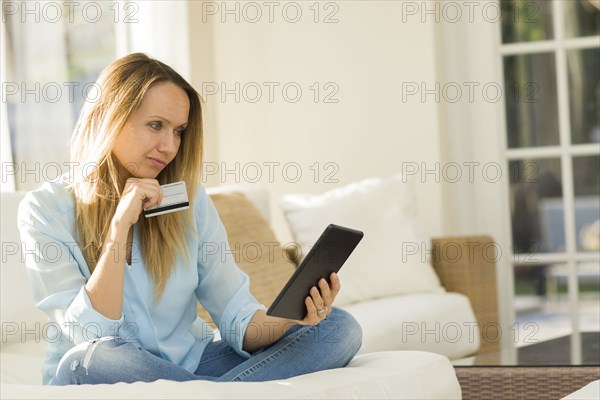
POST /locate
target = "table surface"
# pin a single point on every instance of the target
(550, 353)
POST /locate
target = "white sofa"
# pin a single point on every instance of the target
(376, 372)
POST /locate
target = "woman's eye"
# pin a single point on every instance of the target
(180, 132)
(155, 125)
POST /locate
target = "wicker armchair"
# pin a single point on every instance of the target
(466, 264)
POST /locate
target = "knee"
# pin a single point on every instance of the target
(348, 328)
(77, 361)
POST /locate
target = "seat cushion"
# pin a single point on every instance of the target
(442, 323)
(386, 375)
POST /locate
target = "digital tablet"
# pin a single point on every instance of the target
(328, 254)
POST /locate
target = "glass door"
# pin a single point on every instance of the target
(550, 54)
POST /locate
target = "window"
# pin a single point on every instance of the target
(54, 53)
(51, 57)
(551, 57)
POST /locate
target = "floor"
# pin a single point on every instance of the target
(541, 319)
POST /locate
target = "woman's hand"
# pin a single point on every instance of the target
(138, 194)
(320, 301)
(321, 298)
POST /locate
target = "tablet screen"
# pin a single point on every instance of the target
(328, 254)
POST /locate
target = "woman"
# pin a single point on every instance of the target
(124, 315)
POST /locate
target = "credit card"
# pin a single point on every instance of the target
(175, 198)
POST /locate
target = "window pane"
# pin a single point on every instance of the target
(51, 65)
(90, 47)
(530, 99)
(582, 18)
(589, 296)
(584, 95)
(526, 20)
(541, 303)
(586, 181)
(536, 206)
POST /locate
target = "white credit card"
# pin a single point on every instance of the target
(175, 198)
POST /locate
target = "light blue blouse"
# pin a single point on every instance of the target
(171, 329)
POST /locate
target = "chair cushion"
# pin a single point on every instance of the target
(257, 194)
(443, 323)
(255, 247)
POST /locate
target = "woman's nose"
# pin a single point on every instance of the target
(168, 143)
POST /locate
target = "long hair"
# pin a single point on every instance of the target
(96, 187)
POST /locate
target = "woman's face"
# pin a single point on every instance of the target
(151, 138)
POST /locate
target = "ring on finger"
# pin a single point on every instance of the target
(322, 310)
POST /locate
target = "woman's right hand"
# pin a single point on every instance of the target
(138, 194)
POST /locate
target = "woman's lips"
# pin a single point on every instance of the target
(157, 163)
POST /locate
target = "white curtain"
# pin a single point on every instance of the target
(6, 159)
(162, 31)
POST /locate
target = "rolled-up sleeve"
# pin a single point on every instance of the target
(56, 277)
(223, 288)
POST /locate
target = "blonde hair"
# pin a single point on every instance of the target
(122, 86)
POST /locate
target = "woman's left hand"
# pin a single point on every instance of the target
(320, 300)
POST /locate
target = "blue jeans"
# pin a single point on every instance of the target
(302, 350)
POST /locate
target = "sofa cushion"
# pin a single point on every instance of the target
(390, 260)
(257, 194)
(443, 323)
(255, 247)
(386, 375)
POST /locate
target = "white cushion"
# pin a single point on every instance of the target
(386, 375)
(384, 209)
(18, 315)
(443, 323)
(591, 391)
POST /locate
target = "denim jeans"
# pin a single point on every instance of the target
(301, 350)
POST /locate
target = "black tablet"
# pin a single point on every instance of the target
(328, 254)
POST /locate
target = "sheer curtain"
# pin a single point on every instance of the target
(162, 31)
(8, 183)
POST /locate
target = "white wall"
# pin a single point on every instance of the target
(368, 54)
